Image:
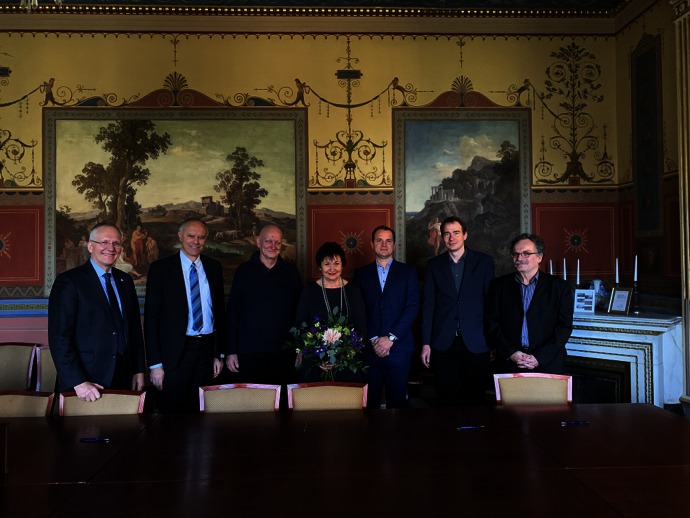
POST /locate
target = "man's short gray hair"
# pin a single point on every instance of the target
(189, 220)
(99, 226)
(538, 242)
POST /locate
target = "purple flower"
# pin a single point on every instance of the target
(354, 336)
(317, 319)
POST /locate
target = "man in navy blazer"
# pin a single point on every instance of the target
(455, 286)
(391, 296)
(94, 347)
(530, 313)
(184, 333)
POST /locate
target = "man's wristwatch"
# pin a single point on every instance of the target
(392, 338)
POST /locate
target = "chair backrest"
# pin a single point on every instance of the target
(111, 402)
(533, 389)
(16, 363)
(327, 396)
(239, 397)
(24, 403)
(46, 375)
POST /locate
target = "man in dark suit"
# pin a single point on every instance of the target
(391, 296)
(455, 286)
(530, 313)
(94, 327)
(184, 321)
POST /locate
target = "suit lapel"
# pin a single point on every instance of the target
(445, 266)
(178, 279)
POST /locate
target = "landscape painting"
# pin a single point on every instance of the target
(475, 168)
(148, 175)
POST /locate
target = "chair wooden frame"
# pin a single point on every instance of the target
(142, 397)
(532, 375)
(39, 380)
(292, 387)
(31, 359)
(31, 393)
(238, 385)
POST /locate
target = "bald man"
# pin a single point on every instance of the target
(261, 311)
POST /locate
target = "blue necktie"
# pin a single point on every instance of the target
(196, 299)
(117, 315)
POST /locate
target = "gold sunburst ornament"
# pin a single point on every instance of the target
(576, 241)
(352, 242)
(5, 246)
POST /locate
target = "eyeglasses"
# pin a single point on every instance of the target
(106, 244)
(524, 255)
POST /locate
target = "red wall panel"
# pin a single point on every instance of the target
(584, 231)
(348, 225)
(626, 217)
(21, 245)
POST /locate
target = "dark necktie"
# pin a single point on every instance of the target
(196, 298)
(117, 315)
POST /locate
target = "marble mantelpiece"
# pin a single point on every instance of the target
(650, 343)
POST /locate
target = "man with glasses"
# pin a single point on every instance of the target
(529, 314)
(94, 327)
(455, 286)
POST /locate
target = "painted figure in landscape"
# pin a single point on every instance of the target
(147, 189)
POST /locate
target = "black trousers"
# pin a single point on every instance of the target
(460, 375)
(268, 369)
(122, 379)
(181, 383)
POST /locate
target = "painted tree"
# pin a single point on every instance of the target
(131, 143)
(238, 185)
(574, 79)
(94, 185)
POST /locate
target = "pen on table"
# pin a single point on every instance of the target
(470, 427)
(93, 439)
(574, 423)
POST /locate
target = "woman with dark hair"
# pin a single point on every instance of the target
(319, 298)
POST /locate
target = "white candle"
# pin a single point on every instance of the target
(551, 266)
(635, 279)
(617, 270)
(564, 268)
(577, 281)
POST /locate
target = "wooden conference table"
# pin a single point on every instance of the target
(631, 460)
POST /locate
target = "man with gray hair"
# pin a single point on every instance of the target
(94, 327)
(184, 321)
(529, 314)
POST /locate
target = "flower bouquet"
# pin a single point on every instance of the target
(333, 346)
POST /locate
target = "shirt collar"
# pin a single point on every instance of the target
(532, 281)
(388, 265)
(186, 262)
(462, 257)
(99, 271)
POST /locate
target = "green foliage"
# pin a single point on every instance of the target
(238, 186)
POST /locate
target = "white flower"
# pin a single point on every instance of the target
(331, 336)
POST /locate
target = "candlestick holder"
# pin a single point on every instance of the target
(634, 306)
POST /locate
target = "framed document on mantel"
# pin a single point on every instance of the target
(620, 301)
(584, 301)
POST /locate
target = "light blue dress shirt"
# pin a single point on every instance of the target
(204, 291)
(101, 277)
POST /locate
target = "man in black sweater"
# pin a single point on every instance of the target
(261, 311)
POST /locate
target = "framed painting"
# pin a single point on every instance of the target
(238, 169)
(472, 163)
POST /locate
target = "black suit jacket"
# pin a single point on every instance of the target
(166, 312)
(394, 309)
(81, 329)
(443, 307)
(549, 319)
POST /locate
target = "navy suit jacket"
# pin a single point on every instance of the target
(81, 329)
(166, 312)
(443, 307)
(549, 319)
(392, 310)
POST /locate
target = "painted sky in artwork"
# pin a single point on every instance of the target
(434, 149)
(187, 172)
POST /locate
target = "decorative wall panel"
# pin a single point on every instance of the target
(21, 246)
(349, 226)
